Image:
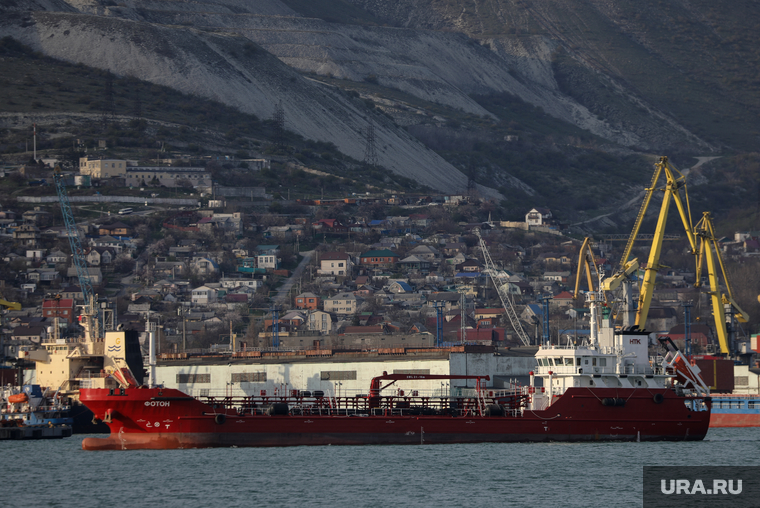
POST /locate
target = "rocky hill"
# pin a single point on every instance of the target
(622, 77)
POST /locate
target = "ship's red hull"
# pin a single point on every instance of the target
(167, 419)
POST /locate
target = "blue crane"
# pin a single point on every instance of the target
(77, 253)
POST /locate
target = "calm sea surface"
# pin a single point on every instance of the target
(554, 475)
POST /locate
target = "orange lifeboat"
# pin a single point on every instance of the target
(18, 398)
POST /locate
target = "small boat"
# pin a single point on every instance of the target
(31, 414)
(18, 398)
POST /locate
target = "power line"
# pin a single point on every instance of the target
(278, 136)
(109, 108)
(370, 150)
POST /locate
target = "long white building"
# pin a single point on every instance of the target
(342, 374)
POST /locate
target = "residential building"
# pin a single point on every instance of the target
(115, 229)
(41, 275)
(329, 226)
(62, 308)
(557, 276)
(342, 304)
(227, 223)
(469, 265)
(382, 258)
(205, 265)
(237, 282)
(488, 318)
(27, 334)
(267, 261)
(426, 252)
(564, 299)
(335, 263)
(56, 257)
(307, 301)
(414, 263)
(538, 216)
(320, 321)
(102, 168)
(139, 176)
(97, 256)
(93, 272)
(27, 234)
(399, 286)
(203, 295)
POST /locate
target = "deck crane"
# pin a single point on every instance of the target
(91, 313)
(500, 281)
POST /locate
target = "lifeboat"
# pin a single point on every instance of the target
(18, 398)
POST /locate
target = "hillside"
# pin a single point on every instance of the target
(556, 103)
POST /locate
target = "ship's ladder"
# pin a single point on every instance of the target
(479, 394)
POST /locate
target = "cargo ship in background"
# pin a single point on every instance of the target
(64, 365)
(735, 390)
(606, 389)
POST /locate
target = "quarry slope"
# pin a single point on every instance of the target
(231, 70)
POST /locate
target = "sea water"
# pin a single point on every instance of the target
(60, 473)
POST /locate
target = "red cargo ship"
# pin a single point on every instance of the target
(605, 389)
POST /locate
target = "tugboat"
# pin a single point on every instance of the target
(29, 414)
(607, 388)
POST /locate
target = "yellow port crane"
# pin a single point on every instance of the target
(586, 265)
(10, 305)
(673, 185)
(709, 254)
(702, 243)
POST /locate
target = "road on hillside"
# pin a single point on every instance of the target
(282, 293)
(640, 195)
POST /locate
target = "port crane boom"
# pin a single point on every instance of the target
(672, 191)
(77, 253)
(502, 288)
(703, 245)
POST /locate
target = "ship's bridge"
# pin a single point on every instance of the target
(562, 367)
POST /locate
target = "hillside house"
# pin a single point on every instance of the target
(563, 300)
(335, 263)
(62, 308)
(307, 301)
(488, 318)
(56, 257)
(27, 235)
(320, 321)
(204, 295)
(469, 265)
(538, 216)
(557, 276)
(204, 265)
(115, 229)
(329, 226)
(414, 263)
(341, 304)
(426, 252)
(379, 258)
